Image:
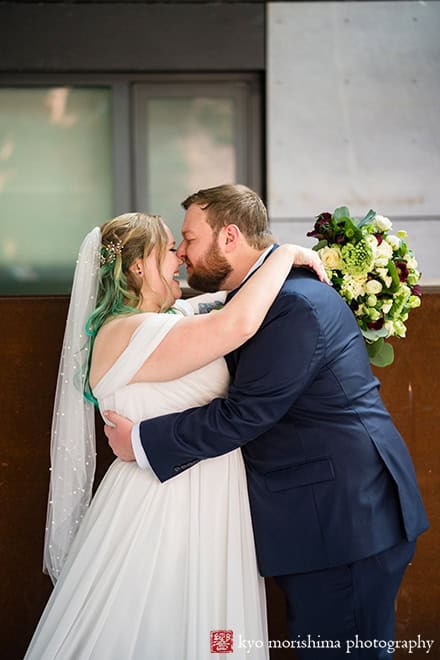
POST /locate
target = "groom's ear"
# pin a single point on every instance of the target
(229, 237)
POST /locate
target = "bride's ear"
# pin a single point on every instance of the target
(137, 267)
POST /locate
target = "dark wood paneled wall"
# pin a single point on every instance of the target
(30, 340)
(411, 391)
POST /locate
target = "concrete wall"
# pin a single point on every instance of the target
(353, 116)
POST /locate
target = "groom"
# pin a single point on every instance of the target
(335, 504)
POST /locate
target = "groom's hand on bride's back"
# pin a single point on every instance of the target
(119, 435)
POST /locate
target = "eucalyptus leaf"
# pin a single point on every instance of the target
(340, 213)
(366, 219)
(374, 347)
(320, 244)
(372, 335)
(384, 357)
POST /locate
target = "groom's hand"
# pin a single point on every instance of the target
(119, 435)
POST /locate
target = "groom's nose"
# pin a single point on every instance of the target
(181, 253)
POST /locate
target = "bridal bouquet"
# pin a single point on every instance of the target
(374, 271)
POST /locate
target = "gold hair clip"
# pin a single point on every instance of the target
(109, 252)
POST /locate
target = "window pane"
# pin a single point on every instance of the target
(190, 144)
(55, 182)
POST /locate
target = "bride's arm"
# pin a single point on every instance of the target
(195, 341)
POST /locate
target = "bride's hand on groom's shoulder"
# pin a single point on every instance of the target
(118, 433)
(305, 257)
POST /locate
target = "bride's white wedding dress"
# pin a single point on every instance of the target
(156, 567)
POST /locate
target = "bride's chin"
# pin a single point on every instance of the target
(176, 290)
(174, 294)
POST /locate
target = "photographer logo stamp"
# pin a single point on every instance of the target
(222, 641)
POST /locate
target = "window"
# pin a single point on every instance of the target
(74, 155)
(55, 181)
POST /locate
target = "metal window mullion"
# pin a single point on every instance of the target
(121, 148)
(139, 147)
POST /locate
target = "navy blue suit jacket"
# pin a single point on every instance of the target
(330, 479)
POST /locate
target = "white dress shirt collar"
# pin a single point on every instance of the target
(258, 263)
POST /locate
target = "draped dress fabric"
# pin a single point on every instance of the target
(155, 567)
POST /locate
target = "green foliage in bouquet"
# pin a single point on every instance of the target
(375, 273)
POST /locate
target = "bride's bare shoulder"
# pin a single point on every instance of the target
(119, 326)
(112, 339)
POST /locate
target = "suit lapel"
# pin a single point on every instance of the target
(233, 357)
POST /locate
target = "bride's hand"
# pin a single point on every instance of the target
(306, 257)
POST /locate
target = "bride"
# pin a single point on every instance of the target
(149, 570)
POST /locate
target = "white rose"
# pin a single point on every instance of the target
(373, 286)
(412, 263)
(387, 306)
(384, 276)
(384, 252)
(372, 242)
(331, 257)
(389, 327)
(382, 223)
(394, 241)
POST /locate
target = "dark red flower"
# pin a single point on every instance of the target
(379, 238)
(376, 325)
(402, 269)
(322, 226)
(416, 290)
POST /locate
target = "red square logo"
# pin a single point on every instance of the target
(221, 641)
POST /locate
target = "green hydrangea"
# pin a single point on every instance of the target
(358, 258)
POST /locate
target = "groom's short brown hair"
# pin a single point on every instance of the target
(238, 205)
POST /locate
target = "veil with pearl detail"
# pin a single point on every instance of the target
(73, 446)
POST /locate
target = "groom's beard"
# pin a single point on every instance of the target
(209, 275)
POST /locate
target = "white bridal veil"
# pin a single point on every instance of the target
(73, 452)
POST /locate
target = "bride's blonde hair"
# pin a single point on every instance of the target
(124, 239)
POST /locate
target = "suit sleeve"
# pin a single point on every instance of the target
(273, 369)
